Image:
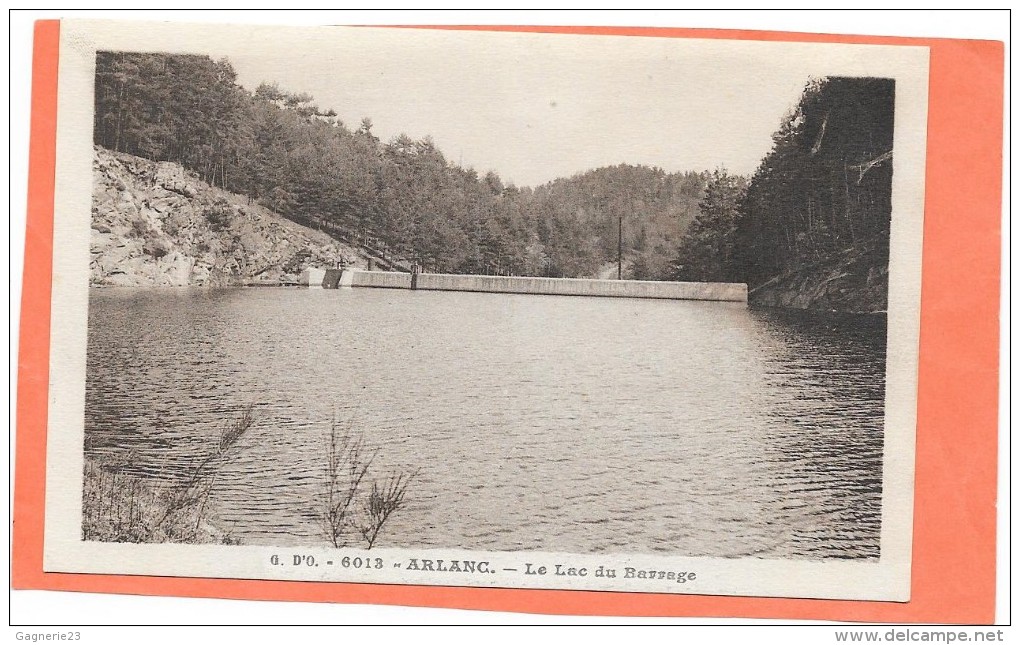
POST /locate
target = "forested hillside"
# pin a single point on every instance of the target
(811, 227)
(400, 198)
(825, 188)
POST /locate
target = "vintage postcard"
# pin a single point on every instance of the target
(486, 309)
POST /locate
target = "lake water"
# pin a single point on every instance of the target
(537, 422)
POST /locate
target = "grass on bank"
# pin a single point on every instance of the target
(118, 506)
(352, 507)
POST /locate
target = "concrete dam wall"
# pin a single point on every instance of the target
(716, 291)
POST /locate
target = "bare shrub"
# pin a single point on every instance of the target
(382, 502)
(346, 511)
(344, 472)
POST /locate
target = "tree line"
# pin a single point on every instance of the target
(824, 189)
(823, 192)
(400, 197)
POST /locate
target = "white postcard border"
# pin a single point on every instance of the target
(64, 551)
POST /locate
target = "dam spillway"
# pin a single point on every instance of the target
(711, 291)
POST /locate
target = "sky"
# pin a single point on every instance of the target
(534, 107)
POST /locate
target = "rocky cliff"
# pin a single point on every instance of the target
(854, 282)
(155, 224)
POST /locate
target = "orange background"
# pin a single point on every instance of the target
(953, 576)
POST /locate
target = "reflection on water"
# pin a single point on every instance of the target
(543, 423)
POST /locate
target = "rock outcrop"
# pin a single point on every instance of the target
(156, 224)
(855, 282)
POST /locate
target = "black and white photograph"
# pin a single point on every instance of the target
(486, 309)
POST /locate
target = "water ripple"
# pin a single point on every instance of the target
(561, 424)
